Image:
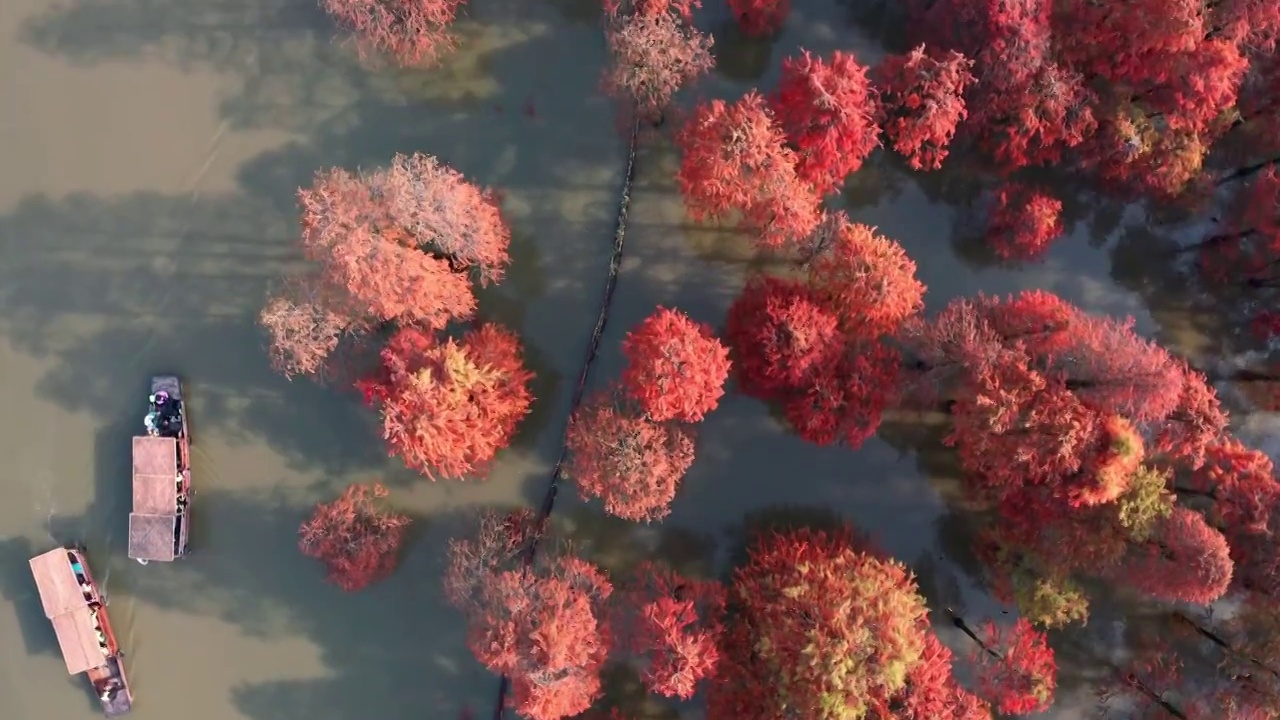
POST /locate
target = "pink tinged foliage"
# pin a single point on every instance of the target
(397, 245)
(781, 334)
(866, 277)
(676, 368)
(615, 10)
(932, 693)
(1185, 560)
(1196, 422)
(401, 241)
(651, 56)
(449, 406)
(542, 623)
(630, 462)
(843, 401)
(673, 624)
(760, 17)
(303, 328)
(545, 628)
(357, 540)
(734, 158)
(1242, 483)
(1021, 675)
(922, 103)
(1023, 222)
(828, 111)
(499, 543)
(411, 33)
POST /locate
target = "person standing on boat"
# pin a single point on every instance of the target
(169, 415)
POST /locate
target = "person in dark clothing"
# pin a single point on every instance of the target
(168, 412)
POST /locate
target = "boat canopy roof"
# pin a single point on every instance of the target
(155, 473)
(56, 582)
(78, 639)
(151, 536)
(65, 606)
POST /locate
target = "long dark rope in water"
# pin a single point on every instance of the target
(593, 349)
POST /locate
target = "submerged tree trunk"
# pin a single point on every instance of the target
(1221, 642)
(1213, 241)
(1247, 171)
(959, 622)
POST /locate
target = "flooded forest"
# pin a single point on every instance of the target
(651, 359)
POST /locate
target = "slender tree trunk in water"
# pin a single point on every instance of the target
(1247, 171)
(1155, 697)
(1246, 376)
(1221, 642)
(964, 628)
(1263, 282)
(1213, 241)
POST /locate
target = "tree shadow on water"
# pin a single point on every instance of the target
(392, 651)
(618, 546)
(18, 586)
(106, 292)
(292, 75)
(781, 520)
(738, 56)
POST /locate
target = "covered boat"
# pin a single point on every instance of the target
(159, 524)
(74, 605)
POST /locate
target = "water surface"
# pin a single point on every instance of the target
(151, 152)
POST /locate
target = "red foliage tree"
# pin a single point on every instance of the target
(865, 277)
(1185, 560)
(357, 540)
(817, 348)
(1018, 672)
(676, 368)
(843, 400)
(760, 17)
(1023, 221)
(545, 627)
(1037, 119)
(449, 406)
(734, 158)
(1246, 254)
(673, 624)
(409, 32)
(922, 103)
(823, 630)
(1035, 358)
(630, 462)
(499, 542)
(653, 51)
(1242, 483)
(1027, 106)
(932, 693)
(305, 328)
(398, 245)
(781, 334)
(828, 111)
(1055, 412)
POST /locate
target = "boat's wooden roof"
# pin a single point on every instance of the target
(78, 640)
(151, 536)
(155, 473)
(56, 582)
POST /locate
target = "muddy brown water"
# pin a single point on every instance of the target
(150, 150)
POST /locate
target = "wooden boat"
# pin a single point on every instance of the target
(160, 522)
(74, 604)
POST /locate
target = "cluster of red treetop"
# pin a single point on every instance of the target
(1071, 430)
